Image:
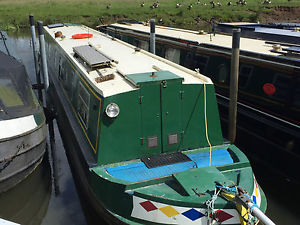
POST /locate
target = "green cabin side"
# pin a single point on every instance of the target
(162, 115)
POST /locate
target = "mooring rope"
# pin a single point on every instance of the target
(206, 130)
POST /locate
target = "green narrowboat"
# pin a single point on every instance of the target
(269, 85)
(142, 134)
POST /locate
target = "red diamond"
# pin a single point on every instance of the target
(221, 216)
(147, 205)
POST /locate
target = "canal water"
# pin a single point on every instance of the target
(54, 200)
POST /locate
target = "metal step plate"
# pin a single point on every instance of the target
(165, 159)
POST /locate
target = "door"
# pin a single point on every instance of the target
(171, 114)
(161, 111)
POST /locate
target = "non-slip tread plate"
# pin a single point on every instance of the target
(165, 159)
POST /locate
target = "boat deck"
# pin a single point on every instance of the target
(246, 44)
(137, 172)
(125, 60)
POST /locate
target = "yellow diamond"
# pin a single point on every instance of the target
(169, 211)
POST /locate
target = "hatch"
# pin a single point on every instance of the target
(93, 60)
(91, 56)
(161, 110)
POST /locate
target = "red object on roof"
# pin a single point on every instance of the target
(82, 36)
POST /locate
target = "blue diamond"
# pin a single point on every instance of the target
(193, 214)
(254, 199)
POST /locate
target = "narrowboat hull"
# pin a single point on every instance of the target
(154, 163)
(285, 33)
(20, 156)
(106, 197)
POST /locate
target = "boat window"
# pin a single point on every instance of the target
(83, 104)
(173, 55)
(245, 75)
(160, 50)
(143, 45)
(282, 85)
(62, 70)
(128, 39)
(187, 59)
(297, 93)
(8, 93)
(16, 95)
(200, 61)
(222, 73)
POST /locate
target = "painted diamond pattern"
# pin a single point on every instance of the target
(254, 198)
(221, 216)
(148, 206)
(169, 211)
(193, 214)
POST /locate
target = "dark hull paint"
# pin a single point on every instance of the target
(265, 140)
(78, 154)
(249, 32)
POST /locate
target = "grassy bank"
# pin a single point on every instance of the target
(94, 12)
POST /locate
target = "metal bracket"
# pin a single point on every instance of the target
(141, 99)
(181, 95)
(38, 86)
(142, 141)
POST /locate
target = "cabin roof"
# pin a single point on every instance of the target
(246, 44)
(125, 59)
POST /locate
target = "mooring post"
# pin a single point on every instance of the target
(152, 36)
(234, 74)
(43, 54)
(33, 37)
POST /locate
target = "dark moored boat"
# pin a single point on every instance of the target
(269, 86)
(274, 32)
(22, 124)
(142, 148)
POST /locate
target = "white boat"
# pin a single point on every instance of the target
(22, 124)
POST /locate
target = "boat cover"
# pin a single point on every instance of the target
(16, 96)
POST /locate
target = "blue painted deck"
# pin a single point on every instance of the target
(137, 172)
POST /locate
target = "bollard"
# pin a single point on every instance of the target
(33, 37)
(152, 36)
(43, 54)
(234, 73)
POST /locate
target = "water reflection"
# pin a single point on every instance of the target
(64, 207)
(27, 202)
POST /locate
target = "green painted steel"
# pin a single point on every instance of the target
(198, 181)
(194, 117)
(171, 115)
(162, 111)
(120, 136)
(149, 99)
